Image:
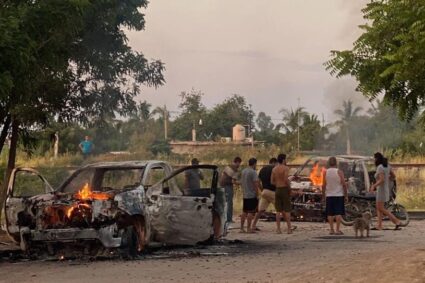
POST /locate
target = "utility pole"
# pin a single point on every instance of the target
(56, 145)
(165, 122)
(298, 125)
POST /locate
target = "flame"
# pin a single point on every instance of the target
(316, 175)
(87, 194)
(73, 207)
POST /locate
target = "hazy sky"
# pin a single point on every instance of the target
(271, 52)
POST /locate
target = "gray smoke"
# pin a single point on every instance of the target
(340, 90)
(354, 17)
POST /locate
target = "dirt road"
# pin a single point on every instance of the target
(308, 255)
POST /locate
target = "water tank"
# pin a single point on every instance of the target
(239, 133)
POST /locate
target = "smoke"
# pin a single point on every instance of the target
(338, 91)
(354, 17)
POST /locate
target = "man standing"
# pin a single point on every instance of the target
(280, 180)
(250, 188)
(86, 146)
(193, 177)
(268, 193)
(228, 177)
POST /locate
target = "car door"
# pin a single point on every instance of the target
(179, 214)
(24, 186)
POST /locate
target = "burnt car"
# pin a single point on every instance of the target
(308, 181)
(111, 206)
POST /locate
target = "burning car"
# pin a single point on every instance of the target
(114, 206)
(308, 181)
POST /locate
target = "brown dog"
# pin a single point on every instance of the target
(362, 223)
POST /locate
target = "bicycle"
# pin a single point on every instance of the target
(359, 204)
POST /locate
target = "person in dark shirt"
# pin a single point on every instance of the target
(268, 190)
(193, 178)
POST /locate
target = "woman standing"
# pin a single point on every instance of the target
(382, 186)
(334, 189)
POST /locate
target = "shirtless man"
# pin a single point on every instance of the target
(280, 180)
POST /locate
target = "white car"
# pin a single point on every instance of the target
(112, 206)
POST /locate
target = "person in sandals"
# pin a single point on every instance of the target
(334, 190)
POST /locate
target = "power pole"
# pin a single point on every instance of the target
(298, 125)
(56, 145)
(165, 122)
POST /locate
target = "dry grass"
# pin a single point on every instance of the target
(411, 188)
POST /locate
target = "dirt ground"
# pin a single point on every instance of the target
(308, 255)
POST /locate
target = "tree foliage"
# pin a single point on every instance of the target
(70, 59)
(389, 57)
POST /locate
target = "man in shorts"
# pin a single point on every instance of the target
(268, 192)
(250, 188)
(280, 179)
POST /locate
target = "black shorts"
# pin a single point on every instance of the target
(335, 206)
(250, 205)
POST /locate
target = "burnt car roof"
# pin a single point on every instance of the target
(347, 158)
(121, 164)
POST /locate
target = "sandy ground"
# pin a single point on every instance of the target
(308, 255)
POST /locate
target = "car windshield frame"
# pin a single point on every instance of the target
(96, 170)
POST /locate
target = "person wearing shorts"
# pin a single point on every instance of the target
(250, 188)
(268, 192)
(280, 179)
(334, 189)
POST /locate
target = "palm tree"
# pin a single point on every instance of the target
(346, 115)
(291, 119)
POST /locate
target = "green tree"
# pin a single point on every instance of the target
(192, 111)
(71, 60)
(311, 132)
(224, 116)
(291, 124)
(388, 58)
(346, 116)
(266, 130)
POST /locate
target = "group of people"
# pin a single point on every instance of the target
(272, 186)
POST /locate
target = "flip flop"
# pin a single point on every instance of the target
(339, 233)
(331, 233)
(397, 227)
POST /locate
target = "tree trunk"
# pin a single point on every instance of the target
(10, 163)
(4, 131)
(348, 141)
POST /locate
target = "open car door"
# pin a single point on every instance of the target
(25, 184)
(181, 206)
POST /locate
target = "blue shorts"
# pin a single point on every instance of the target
(335, 206)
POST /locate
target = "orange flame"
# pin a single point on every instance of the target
(72, 208)
(316, 175)
(87, 194)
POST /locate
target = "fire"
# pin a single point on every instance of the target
(80, 207)
(87, 194)
(316, 175)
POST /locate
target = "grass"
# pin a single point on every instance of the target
(411, 188)
(411, 181)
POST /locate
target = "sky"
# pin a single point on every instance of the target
(272, 52)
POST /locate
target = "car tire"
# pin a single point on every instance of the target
(129, 240)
